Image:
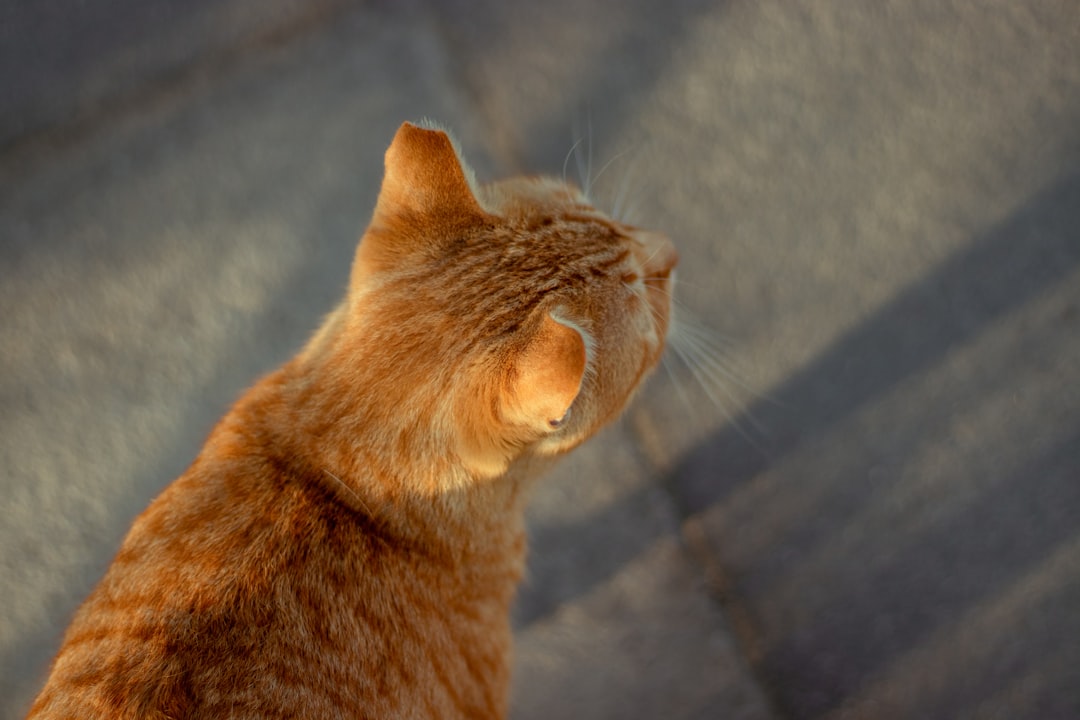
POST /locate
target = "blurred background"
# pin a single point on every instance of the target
(860, 500)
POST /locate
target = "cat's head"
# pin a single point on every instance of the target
(523, 317)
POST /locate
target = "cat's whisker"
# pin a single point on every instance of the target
(688, 325)
(718, 348)
(648, 260)
(619, 210)
(582, 152)
(709, 363)
(566, 160)
(589, 181)
(668, 291)
(706, 382)
(607, 165)
(721, 378)
(683, 398)
(711, 345)
(585, 164)
(351, 493)
(712, 352)
(715, 365)
(683, 282)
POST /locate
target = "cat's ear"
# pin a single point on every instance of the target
(532, 401)
(548, 375)
(425, 180)
(427, 197)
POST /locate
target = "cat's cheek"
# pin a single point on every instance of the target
(491, 462)
(646, 330)
(481, 448)
(484, 467)
(559, 444)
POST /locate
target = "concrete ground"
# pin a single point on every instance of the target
(865, 502)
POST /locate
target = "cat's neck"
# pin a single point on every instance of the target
(372, 446)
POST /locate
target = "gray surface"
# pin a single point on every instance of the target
(880, 206)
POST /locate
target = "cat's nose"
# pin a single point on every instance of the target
(658, 255)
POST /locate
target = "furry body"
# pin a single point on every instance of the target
(348, 542)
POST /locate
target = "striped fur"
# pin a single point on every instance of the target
(348, 542)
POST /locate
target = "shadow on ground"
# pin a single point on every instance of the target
(942, 559)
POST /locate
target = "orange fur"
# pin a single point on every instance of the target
(348, 542)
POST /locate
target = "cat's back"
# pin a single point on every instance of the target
(249, 589)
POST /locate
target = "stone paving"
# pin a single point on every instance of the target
(863, 498)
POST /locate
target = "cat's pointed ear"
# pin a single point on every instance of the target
(427, 197)
(548, 376)
(425, 180)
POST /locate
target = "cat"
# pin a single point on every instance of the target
(349, 540)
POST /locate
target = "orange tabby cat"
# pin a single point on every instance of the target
(348, 543)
